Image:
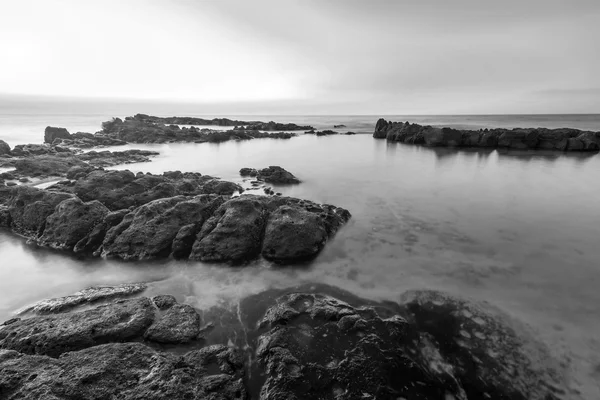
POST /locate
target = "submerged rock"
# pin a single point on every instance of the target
(490, 355)
(563, 139)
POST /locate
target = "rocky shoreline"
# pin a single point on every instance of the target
(564, 139)
(312, 341)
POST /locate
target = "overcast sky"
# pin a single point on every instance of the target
(322, 56)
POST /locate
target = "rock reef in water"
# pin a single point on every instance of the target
(563, 139)
(273, 174)
(61, 136)
(182, 215)
(297, 343)
(143, 128)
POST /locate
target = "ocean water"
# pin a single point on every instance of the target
(520, 230)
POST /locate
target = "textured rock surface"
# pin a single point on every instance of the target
(4, 148)
(179, 324)
(183, 215)
(273, 174)
(126, 371)
(85, 296)
(54, 335)
(563, 139)
(491, 355)
(72, 219)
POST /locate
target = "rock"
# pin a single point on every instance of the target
(79, 171)
(489, 354)
(317, 346)
(293, 234)
(54, 335)
(127, 371)
(519, 139)
(122, 189)
(350, 133)
(72, 219)
(248, 172)
(164, 301)
(91, 242)
(11, 183)
(339, 126)
(233, 233)
(29, 207)
(179, 324)
(277, 175)
(46, 165)
(85, 296)
(153, 227)
(4, 148)
(325, 132)
(52, 133)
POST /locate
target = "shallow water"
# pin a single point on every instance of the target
(519, 230)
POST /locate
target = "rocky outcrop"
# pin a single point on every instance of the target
(127, 371)
(123, 189)
(52, 133)
(148, 129)
(325, 132)
(243, 125)
(86, 296)
(272, 174)
(69, 164)
(520, 139)
(182, 215)
(311, 341)
(4, 148)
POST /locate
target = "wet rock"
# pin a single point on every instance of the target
(339, 126)
(491, 355)
(47, 165)
(128, 371)
(29, 207)
(153, 227)
(164, 301)
(317, 346)
(91, 242)
(179, 324)
(248, 172)
(51, 133)
(293, 234)
(54, 335)
(85, 296)
(79, 171)
(350, 133)
(518, 139)
(326, 132)
(233, 233)
(72, 219)
(277, 175)
(4, 148)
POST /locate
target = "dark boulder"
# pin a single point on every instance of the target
(72, 219)
(491, 355)
(179, 324)
(153, 227)
(234, 233)
(248, 172)
(52, 133)
(29, 207)
(47, 165)
(317, 346)
(4, 148)
(293, 234)
(273, 174)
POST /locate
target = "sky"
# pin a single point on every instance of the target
(308, 56)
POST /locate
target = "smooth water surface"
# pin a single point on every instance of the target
(520, 230)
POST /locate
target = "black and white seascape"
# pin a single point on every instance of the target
(299, 200)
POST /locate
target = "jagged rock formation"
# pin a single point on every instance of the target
(273, 174)
(563, 139)
(61, 136)
(183, 215)
(143, 128)
(312, 341)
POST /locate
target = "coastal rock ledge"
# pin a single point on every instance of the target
(563, 139)
(308, 342)
(180, 215)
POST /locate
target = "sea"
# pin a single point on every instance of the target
(520, 230)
